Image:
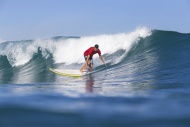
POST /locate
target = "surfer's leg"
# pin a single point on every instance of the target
(84, 66)
(91, 65)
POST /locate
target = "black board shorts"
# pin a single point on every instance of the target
(91, 60)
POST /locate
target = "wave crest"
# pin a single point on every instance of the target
(70, 50)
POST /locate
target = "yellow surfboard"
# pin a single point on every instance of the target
(65, 72)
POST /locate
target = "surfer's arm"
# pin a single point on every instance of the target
(102, 59)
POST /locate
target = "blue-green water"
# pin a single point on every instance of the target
(146, 83)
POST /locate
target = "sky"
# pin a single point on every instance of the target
(32, 19)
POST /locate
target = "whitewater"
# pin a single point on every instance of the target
(146, 82)
(69, 50)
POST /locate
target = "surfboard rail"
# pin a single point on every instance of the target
(63, 72)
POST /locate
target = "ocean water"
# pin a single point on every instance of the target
(146, 82)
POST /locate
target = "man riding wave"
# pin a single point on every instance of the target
(88, 56)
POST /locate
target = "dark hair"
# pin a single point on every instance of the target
(96, 46)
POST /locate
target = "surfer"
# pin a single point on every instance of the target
(88, 54)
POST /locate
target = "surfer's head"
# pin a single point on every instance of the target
(96, 47)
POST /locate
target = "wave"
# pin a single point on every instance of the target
(68, 50)
(136, 53)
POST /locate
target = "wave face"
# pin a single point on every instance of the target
(140, 52)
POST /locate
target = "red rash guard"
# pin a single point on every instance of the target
(91, 52)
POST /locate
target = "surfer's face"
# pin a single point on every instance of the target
(95, 49)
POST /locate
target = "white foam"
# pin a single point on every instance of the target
(71, 51)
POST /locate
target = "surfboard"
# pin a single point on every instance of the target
(67, 72)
